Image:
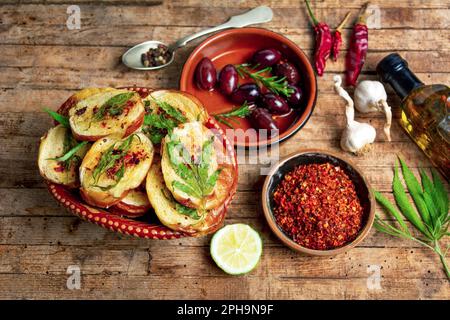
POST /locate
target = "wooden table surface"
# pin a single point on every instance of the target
(42, 63)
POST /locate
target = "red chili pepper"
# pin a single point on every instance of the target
(337, 38)
(323, 42)
(356, 55)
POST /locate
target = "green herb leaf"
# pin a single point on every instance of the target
(273, 83)
(58, 117)
(108, 160)
(404, 204)
(190, 212)
(67, 156)
(390, 207)
(433, 197)
(194, 170)
(416, 192)
(441, 192)
(113, 106)
(240, 112)
(157, 125)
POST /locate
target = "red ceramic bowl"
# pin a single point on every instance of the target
(237, 46)
(71, 200)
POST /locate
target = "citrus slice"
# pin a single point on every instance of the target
(236, 248)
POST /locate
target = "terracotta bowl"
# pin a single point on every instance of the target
(148, 226)
(363, 191)
(237, 46)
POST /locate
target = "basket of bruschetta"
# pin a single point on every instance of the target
(152, 164)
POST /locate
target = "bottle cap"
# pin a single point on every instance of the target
(390, 64)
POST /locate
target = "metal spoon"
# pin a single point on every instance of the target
(132, 58)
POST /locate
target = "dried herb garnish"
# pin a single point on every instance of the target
(277, 85)
(431, 218)
(193, 170)
(157, 125)
(240, 112)
(58, 117)
(113, 106)
(109, 159)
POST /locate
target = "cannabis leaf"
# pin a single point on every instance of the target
(431, 218)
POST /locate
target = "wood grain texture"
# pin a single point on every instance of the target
(42, 63)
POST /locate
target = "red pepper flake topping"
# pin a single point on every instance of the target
(317, 206)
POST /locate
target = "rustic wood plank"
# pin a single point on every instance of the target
(394, 39)
(193, 261)
(71, 231)
(322, 4)
(89, 58)
(95, 15)
(247, 287)
(42, 63)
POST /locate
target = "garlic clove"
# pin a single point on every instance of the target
(370, 96)
(356, 137)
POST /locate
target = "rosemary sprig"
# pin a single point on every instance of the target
(113, 106)
(193, 170)
(109, 159)
(431, 218)
(240, 112)
(58, 117)
(277, 85)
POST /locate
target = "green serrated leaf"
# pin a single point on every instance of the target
(391, 209)
(186, 189)
(416, 192)
(441, 192)
(404, 204)
(58, 117)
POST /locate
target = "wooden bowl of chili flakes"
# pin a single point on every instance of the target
(318, 203)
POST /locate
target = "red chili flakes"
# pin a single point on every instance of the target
(317, 206)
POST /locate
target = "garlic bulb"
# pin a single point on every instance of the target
(370, 96)
(357, 136)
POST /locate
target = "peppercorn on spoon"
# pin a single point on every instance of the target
(133, 57)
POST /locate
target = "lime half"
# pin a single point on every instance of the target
(236, 248)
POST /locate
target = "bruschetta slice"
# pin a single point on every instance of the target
(135, 204)
(60, 156)
(113, 167)
(118, 112)
(166, 109)
(175, 215)
(191, 168)
(78, 96)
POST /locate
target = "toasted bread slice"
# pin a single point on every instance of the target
(78, 96)
(205, 188)
(173, 214)
(113, 167)
(55, 143)
(188, 105)
(135, 204)
(118, 112)
(166, 109)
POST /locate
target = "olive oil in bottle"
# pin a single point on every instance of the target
(425, 110)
